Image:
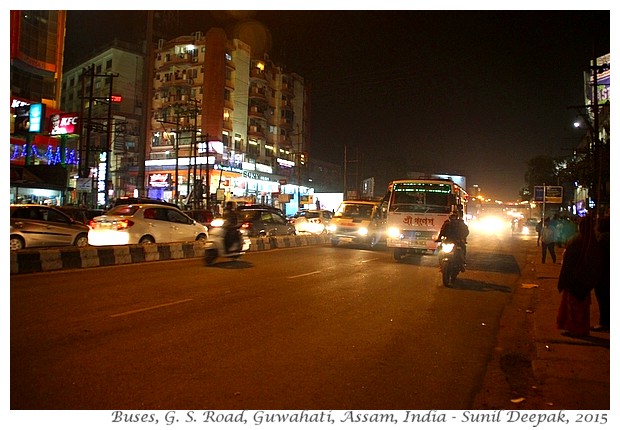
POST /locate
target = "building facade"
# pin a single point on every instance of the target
(225, 125)
(37, 159)
(106, 93)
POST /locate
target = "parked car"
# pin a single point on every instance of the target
(264, 222)
(258, 206)
(203, 216)
(358, 222)
(312, 221)
(80, 213)
(144, 223)
(142, 200)
(39, 225)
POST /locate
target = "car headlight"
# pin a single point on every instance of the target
(217, 222)
(363, 231)
(394, 232)
(331, 228)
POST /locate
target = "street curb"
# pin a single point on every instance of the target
(50, 259)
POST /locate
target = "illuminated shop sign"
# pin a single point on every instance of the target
(37, 113)
(256, 176)
(264, 168)
(22, 119)
(159, 180)
(285, 163)
(63, 124)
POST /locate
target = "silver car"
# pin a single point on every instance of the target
(39, 225)
(144, 223)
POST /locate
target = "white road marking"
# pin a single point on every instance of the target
(304, 274)
(150, 308)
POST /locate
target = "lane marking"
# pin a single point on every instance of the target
(150, 308)
(366, 261)
(304, 274)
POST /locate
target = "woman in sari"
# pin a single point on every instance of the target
(580, 272)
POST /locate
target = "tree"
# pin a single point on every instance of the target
(540, 170)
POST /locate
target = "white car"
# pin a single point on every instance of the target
(144, 223)
(312, 221)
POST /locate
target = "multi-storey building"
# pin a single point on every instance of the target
(225, 125)
(106, 93)
(38, 170)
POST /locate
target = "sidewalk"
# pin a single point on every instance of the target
(534, 366)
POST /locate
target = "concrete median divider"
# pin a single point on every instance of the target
(50, 259)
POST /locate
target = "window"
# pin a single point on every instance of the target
(176, 216)
(108, 64)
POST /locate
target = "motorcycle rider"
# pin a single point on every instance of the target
(230, 225)
(455, 230)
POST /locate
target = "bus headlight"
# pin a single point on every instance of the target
(394, 232)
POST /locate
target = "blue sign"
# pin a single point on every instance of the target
(37, 112)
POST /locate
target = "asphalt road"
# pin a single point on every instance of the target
(317, 328)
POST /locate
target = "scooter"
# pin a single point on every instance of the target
(451, 261)
(215, 246)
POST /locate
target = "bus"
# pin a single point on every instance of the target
(415, 210)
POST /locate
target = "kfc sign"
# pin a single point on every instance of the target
(66, 123)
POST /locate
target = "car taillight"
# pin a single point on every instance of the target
(123, 224)
(92, 223)
(246, 225)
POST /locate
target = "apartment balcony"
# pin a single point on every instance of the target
(176, 82)
(285, 124)
(227, 124)
(256, 112)
(256, 131)
(285, 141)
(288, 89)
(258, 93)
(258, 74)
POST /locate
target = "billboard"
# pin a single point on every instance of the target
(603, 78)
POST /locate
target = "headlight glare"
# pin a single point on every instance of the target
(393, 232)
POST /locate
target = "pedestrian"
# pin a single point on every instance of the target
(580, 273)
(547, 240)
(556, 223)
(602, 288)
(569, 229)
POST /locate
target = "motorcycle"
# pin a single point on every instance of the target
(215, 247)
(451, 261)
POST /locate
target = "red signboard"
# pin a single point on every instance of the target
(63, 123)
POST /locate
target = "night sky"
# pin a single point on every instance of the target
(476, 93)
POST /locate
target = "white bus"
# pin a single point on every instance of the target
(415, 210)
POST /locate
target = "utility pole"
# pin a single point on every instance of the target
(147, 102)
(91, 124)
(348, 174)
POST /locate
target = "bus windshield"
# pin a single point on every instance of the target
(421, 198)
